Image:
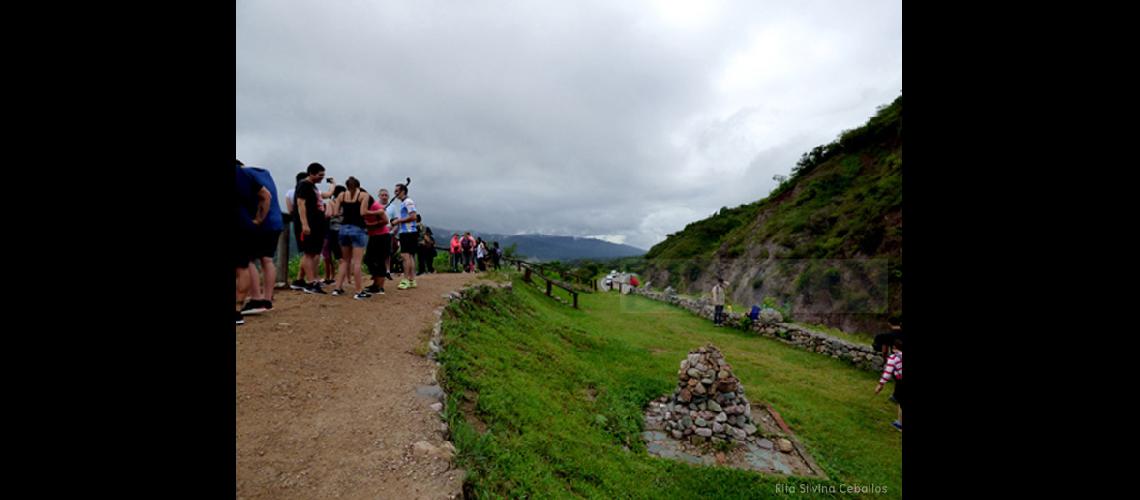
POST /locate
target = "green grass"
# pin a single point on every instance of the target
(561, 392)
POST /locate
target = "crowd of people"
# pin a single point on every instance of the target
(344, 226)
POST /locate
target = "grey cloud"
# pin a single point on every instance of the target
(564, 118)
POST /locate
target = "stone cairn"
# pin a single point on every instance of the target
(709, 402)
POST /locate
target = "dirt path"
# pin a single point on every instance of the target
(326, 396)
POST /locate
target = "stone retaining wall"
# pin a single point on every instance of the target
(861, 356)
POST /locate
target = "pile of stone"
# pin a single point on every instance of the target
(708, 403)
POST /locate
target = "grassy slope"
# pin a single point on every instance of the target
(531, 360)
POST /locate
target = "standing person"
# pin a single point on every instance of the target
(351, 204)
(311, 214)
(481, 254)
(884, 341)
(456, 252)
(497, 255)
(427, 248)
(265, 247)
(252, 204)
(468, 246)
(408, 236)
(290, 208)
(331, 252)
(379, 242)
(718, 302)
(893, 369)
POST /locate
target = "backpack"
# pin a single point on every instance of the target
(466, 244)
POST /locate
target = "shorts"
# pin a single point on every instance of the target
(265, 244)
(900, 393)
(243, 248)
(408, 242)
(353, 236)
(379, 249)
(314, 242)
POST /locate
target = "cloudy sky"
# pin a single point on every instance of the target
(623, 120)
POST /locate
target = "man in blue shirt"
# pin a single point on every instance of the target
(265, 239)
(252, 209)
(408, 234)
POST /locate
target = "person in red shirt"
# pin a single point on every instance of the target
(379, 248)
(456, 252)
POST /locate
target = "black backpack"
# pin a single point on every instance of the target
(466, 244)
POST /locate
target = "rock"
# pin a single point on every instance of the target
(685, 396)
(700, 422)
(703, 432)
(703, 406)
(686, 422)
(769, 315)
(437, 406)
(785, 445)
(699, 389)
(707, 381)
(723, 374)
(697, 439)
(749, 429)
(727, 385)
(720, 458)
(717, 427)
(721, 417)
(739, 434)
(678, 434)
(713, 406)
(693, 372)
(693, 383)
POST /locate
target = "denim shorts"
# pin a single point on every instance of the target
(353, 236)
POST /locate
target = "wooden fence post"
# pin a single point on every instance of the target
(575, 300)
(548, 288)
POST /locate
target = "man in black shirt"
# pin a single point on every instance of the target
(314, 226)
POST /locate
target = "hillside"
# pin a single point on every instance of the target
(826, 245)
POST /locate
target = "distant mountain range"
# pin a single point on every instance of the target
(538, 246)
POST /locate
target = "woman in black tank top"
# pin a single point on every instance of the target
(353, 238)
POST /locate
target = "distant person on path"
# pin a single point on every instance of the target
(894, 369)
(427, 248)
(252, 200)
(311, 214)
(468, 245)
(379, 243)
(481, 254)
(497, 255)
(456, 252)
(408, 236)
(264, 247)
(351, 204)
(718, 302)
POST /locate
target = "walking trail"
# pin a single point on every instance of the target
(327, 402)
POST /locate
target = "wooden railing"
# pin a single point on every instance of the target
(530, 270)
